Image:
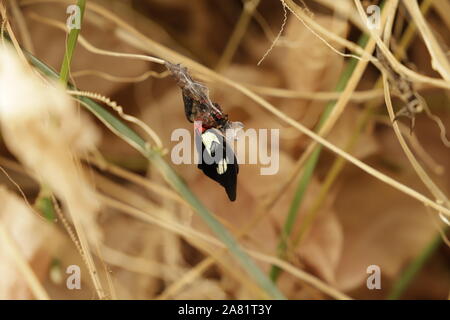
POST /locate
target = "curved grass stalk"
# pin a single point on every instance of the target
(119, 109)
(113, 78)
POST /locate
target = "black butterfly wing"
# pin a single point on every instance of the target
(223, 171)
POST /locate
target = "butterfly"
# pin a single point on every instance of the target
(217, 159)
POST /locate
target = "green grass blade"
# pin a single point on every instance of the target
(70, 46)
